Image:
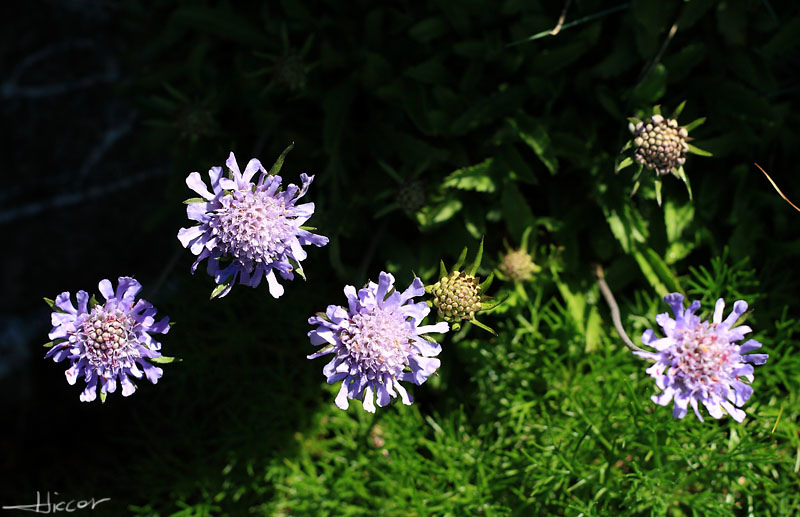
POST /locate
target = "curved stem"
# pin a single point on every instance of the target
(612, 305)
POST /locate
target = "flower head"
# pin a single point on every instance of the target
(659, 143)
(107, 342)
(517, 265)
(458, 295)
(701, 361)
(248, 230)
(377, 342)
(410, 197)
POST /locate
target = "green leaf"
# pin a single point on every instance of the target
(385, 209)
(682, 175)
(478, 257)
(431, 71)
(535, 135)
(659, 183)
(461, 258)
(217, 290)
(443, 269)
(49, 344)
(165, 360)
(516, 211)
(103, 396)
(486, 283)
(176, 93)
(391, 172)
(678, 111)
(517, 167)
(474, 177)
(276, 167)
(593, 330)
(677, 219)
(658, 273)
(194, 200)
(693, 124)
(653, 86)
(784, 40)
(481, 325)
(93, 302)
(428, 29)
(50, 303)
(696, 150)
(445, 211)
(626, 162)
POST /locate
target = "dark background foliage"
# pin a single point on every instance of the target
(108, 106)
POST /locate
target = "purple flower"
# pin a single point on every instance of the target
(248, 230)
(377, 342)
(109, 341)
(700, 361)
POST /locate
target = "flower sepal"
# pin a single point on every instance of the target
(276, 167)
(165, 359)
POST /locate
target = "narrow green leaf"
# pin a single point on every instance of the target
(650, 275)
(524, 240)
(93, 302)
(50, 302)
(486, 283)
(696, 150)
(308, 228)
(461, 258)
(478, 257)
(491, 304)
(217, 290)
(658, 190)
(693, 124)
(593, 330)
(533, 133)
(657, 109)
(49, 344)
(165, 360)
(194, 200)
(176, 93)
(481, 325)
(276, 167)
(660, 267)
(636, 186)
(103, 396)
(385, 209)
(678, 110)
(628, 161)
(442, 269)
(391, 172)
(682, 175)
(653, 86)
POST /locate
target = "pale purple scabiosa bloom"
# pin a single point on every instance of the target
(109, 341)
(377, 342)
(700, 361)
(248, 230)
